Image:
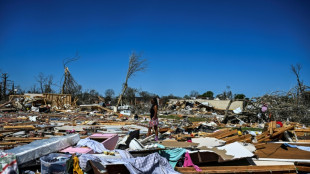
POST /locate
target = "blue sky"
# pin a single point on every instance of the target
(189, 45)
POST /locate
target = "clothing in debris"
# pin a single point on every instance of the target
(86, 157)
(124, 153)
(305, 148)
(94, 145)
(151, 164)
(154, 119)
(8, 163)
(172, 155)
(76, 166)
(188, 162)
(153, 122)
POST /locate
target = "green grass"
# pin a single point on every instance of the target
(191, 119)
(196, 119)
(171, 117)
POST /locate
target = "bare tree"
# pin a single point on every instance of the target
(45, 83)
(296, 70)
(194, 93)
(130, 95)
(48, 84)
(146, 96)
(41, 80)
(34, 89)
(109, 94)
(135, 65)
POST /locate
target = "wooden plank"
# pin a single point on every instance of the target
(23, 139)
(305, 141)
(226, 134)
(303, 168)
(237, 138)
(260, 145)
(7, 143)
(302, 130)
(281, 131)
(272, 126)
(221, 131)
(30, 127)
(262, 136)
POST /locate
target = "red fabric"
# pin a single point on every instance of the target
(280, 123)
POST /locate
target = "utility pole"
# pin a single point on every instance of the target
(4, 77)
(13, 90)
(0, 91)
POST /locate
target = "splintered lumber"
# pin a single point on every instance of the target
(5, 103)
(182, 137)
(272, 126)
(305, 141)
(218, 132)
(281, 131)
(237, 138)
(24, 139)
(239, 169)
(226, 134)
(163, 130)
(53, 115)
(29, 127)
(262, 137)
(7, 143)
(302, 130)
(106, 109)
(22, 124)
(260, 145)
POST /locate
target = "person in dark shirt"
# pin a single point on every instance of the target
(154, 119)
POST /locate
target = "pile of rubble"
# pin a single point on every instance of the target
(50, 134)
(106, 143)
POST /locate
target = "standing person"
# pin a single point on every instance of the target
(154, 119)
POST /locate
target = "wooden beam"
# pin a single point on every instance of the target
(302, 130)
(29, 127)
(218, 132)
(7, 143)
(237, 138)
(226, 134)
(23, 139)
(260, 145)
(281, 131)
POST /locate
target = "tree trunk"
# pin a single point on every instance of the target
(226, 112)
(121, 96)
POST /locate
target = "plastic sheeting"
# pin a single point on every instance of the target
(40, 148)
(54, 163)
